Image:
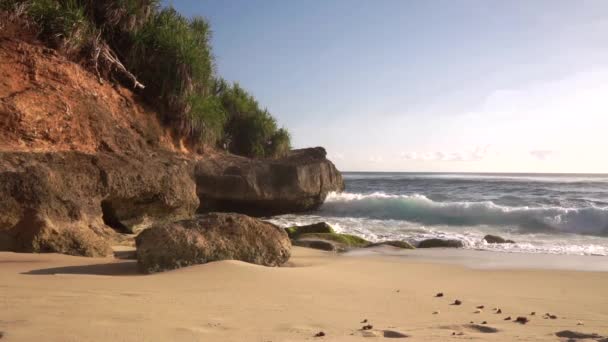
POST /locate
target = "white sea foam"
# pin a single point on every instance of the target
(418, 208)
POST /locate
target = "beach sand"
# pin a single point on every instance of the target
(61, 298)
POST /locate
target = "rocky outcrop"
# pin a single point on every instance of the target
(298, 182)
(68, 202)
(496, 239)
(440, 243)
(82, 163)
(211, 237)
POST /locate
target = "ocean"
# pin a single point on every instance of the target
(542, 213)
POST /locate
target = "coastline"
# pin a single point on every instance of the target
(55, 297)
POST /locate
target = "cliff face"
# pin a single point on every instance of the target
(82, 163)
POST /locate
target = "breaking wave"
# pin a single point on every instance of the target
(418, 208)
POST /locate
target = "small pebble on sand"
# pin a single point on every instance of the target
(457, 302)
(436, 312)
(499, 311)
(440, 294)
(367, 327)
(508, 318)
(522, 320)
(478, 311)
(320, 334)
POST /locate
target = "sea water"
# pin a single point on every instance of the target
(542, 213)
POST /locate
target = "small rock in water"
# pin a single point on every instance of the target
(481, 307)
(320, 334)
(367, 327)
(440, 294)
(499, 311)
(457, 302)
(522, 320)
(508, 318)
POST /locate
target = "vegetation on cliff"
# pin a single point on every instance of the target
(169, 61)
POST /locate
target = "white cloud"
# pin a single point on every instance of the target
(376, 159)
(476, 154)
(542, 154)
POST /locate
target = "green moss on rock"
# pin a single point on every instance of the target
(345, 239)
(320, 227)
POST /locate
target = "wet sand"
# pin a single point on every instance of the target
(62, 298)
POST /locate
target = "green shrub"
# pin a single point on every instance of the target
(63, 24)
(171, 55)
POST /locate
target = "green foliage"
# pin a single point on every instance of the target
(64, 24)
(171, 55)
(251, 131)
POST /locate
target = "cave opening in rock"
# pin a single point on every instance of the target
(109, 217)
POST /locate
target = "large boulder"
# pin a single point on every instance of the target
(298, 182)
(211, 237)
(440, 243)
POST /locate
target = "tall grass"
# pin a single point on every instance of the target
(171, 55)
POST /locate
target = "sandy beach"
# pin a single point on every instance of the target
(61, 298)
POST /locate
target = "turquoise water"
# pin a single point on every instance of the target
(543, 213)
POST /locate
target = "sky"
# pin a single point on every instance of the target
(438, 85)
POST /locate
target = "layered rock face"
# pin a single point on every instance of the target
(298, 182)
(68, 202)
(83, 163)
(211, 237)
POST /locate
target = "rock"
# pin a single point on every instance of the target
(321, 227)
(297, 182)
(320, 334)
(211, 237)
(521, 320)
(438, 295)
(394, 334)
(323, 245)
(74, 203)
(346, 240)
(440, 243)
(395, 243)
(457, 302)
(367, 327)
(496, 239)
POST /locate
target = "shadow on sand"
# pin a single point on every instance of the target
(125, 268)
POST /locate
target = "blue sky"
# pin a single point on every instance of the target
(453, 85)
